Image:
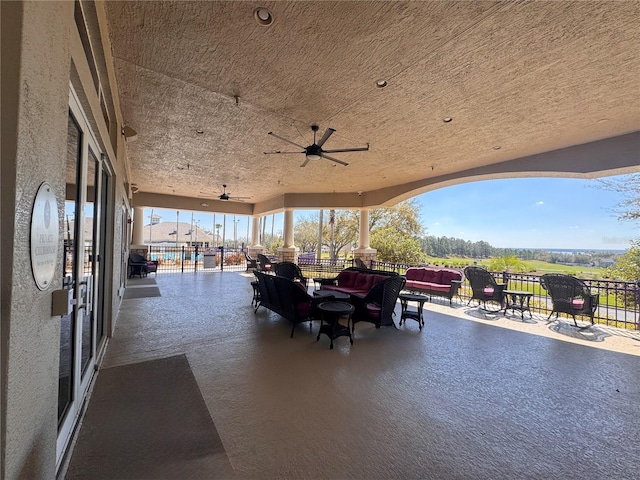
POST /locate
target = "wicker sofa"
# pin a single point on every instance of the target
(285, 297)
(373, 293)
(432, 281)
(356, 281)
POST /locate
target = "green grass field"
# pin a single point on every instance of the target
(533, 266)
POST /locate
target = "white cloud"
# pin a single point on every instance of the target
(539, 202)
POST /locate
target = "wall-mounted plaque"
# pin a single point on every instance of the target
(44, 236)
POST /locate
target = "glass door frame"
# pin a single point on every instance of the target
(87, 296)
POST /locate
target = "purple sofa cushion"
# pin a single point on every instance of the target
(430, 275)
(413, 274)
(363, 281)
(349, 290)
(436, 287)
(448, 275)
(347, 278)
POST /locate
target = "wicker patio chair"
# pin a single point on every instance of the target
(265, 263)
(360, 264)
(569, 295)
(139, 265)
(252, 263)
(379, 304)
(484, 288)
(291, 271)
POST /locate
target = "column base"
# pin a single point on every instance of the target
(288, 254)
(140, 250)
(254, 250)
(367, 255)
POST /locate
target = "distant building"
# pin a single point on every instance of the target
(175, 233)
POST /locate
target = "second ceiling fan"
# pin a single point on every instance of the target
(224, 196)
(315, 150)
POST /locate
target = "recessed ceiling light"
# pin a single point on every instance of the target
(263, 16)
(497, 147)
(381, 83)
(447, 119)
(204, 204)
(199, 131)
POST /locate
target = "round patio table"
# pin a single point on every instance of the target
(332, 312)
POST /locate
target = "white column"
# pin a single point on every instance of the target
(289, 252)
(364, 252)
(255, 231)
(138, 226)
(288, 229)
(363, 234)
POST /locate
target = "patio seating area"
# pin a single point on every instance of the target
(471, 395)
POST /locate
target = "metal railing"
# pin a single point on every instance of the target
(619, 301)
(323, 268)
(185, 259)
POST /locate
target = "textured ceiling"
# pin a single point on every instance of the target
(527, 77)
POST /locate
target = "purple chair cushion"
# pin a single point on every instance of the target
(577, 303)
(303, 309)
(373, 310)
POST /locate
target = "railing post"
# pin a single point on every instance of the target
(195, 266)
(182, 261)
(221, 247)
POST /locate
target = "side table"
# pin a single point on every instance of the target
(518, 300)
(332, 295)
(331, 314)
(320, 281)
(405, 298)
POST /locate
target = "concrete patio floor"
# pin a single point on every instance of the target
(470, 396)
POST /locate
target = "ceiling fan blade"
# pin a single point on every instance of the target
(284, 139)
(328, 132)
(334, 159)
(358, 149)
(279, 152)
(306, 160)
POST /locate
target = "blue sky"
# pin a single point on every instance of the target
(556, 213)
(529, 213)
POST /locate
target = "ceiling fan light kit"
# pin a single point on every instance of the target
(315, 150)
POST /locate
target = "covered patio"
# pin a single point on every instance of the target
(471, 396)
(112, 107)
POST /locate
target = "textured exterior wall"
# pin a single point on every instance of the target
(31, 336)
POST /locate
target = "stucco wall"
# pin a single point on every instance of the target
(30, 336)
